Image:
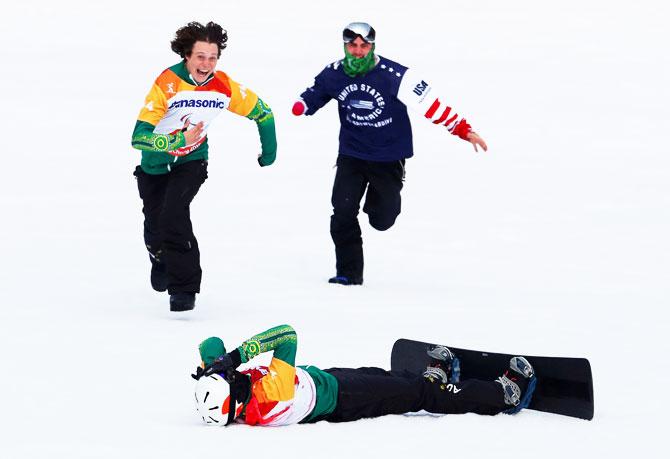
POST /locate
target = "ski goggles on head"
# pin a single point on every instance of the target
(358, 29)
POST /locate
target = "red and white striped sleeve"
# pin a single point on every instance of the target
(420, 96)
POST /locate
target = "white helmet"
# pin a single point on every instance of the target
(212, 395)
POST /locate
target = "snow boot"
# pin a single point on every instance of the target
(346, 280)
(184, 301)
(518, 383)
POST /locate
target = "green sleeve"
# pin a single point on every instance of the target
(282, 340)
(265, 121)
(145, 139)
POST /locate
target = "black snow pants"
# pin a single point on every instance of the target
(168, 233)
(383, 181)
(371, 392)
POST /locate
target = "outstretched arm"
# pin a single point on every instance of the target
(420, 96)
(313, 98)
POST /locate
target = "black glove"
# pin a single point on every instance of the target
(222, 365)
(199, 371)
(240, 385)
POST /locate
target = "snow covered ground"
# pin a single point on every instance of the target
(555, 242)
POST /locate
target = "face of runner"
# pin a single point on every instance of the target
(202, 61)
(359, 47)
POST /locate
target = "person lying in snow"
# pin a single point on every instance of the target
(284, 394)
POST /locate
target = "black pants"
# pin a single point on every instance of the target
(383, 181)
(168, 232)
(372, 392)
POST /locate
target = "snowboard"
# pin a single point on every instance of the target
(564, 384)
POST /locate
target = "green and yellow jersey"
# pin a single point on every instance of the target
(175, 103)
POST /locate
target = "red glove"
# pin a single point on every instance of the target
(462, 129)
(299, 108)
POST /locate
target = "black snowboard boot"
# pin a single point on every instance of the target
(182, 301)
(518, 383)
(441, 365)
(346, 280)
(159, 278)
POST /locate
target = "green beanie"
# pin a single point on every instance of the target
(211, 349)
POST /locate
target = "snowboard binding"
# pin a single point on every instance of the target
(444, 366)
(518, 383)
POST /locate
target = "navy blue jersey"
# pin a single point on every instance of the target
(374, 125)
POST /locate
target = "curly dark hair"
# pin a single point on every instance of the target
(186, 37)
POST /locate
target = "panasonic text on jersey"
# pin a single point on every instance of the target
(198, 104)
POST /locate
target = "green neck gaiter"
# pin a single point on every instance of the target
(353, 66)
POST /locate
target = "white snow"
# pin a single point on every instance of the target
(555, 242)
